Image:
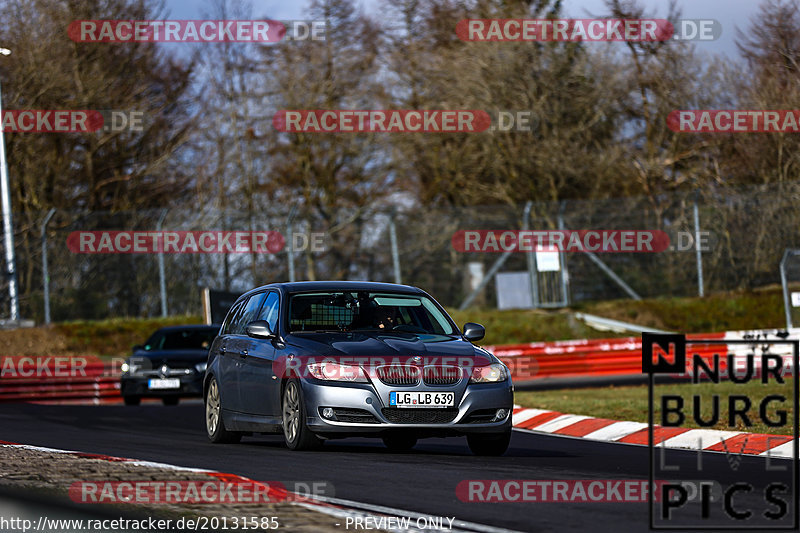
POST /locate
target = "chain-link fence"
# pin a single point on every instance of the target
(748, 231)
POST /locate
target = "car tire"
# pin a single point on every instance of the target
(293, 415)
(131, 400)
(170, 400)
(490, 444)
(215, 427)
(400, 442)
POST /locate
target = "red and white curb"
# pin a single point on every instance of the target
(377, 516)
(602, 429)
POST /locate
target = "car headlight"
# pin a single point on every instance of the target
(130, 367)
(328, 371)
(493, 373)
(201, 367)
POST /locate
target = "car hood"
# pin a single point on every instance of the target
(357, 344)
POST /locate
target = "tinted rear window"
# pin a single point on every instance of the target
(194, 339)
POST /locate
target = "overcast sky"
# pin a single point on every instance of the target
(730, 13)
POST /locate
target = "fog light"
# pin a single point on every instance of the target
(327, 412)
(500, 415)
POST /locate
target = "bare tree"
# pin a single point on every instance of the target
(102, 171)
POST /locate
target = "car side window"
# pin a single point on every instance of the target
(270, 310)
(227, 326)
(248, 314)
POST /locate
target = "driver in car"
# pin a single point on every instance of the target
(384, 318)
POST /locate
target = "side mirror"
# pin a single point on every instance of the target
(474, 332)
(259, 329)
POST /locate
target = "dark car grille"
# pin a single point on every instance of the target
(398, 374)
(358, 416)
(180, 365)
(170, 372)
(441, 375)
(419, 416)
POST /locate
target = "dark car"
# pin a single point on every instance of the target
(170, 365)
(324, 360)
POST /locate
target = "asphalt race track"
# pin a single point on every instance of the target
(363, 470)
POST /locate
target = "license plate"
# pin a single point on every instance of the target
(173, 383)
(421, 399)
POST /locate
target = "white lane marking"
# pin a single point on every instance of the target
(527, 414)
(355, 507)
(558, 423)
(37, 448)
(784, 451)
(697, 439)
(169, 467)
(615, 431)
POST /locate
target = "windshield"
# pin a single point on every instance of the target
(186, 339)
(366, 311)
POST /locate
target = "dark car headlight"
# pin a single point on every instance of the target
(493, 373)
(328, 371)
(130, 367)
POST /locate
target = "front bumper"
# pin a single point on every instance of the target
(476, 399)
(190, 385)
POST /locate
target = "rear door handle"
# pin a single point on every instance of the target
(222, 349)
(243, 353)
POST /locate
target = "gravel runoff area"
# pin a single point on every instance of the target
(51, 474)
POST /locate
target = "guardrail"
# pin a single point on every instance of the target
(58, 379)
(614, 357)
(61, 380)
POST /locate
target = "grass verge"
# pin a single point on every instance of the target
(728, 311)
(115, 336)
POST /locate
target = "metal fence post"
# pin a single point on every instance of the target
(787, 305)
(290, 241)
(563, 257)
(533, 278)
(698, 252)
(8, 226)
(161, 275)
(395, 253)
(45, 270)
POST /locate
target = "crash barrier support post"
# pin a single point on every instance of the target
(45, 269)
